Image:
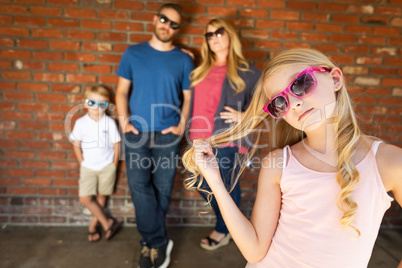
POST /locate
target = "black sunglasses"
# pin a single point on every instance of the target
(164, 20)
(218, 33)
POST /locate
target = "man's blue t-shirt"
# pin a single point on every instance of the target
(158, 78)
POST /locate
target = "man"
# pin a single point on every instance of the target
(158, 73)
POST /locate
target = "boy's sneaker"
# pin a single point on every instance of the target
(145, 258)
(161, 256)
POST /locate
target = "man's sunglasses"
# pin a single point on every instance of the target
(218, 33)
(164, 20)
(303, 85)
(101, 104)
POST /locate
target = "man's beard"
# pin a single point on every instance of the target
(165, 40)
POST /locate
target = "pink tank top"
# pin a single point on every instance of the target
(309, 233)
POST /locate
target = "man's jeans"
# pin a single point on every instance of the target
(226, 158)
(151, 161)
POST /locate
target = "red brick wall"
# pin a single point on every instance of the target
(52, 49)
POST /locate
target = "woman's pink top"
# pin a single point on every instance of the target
(309, 233)
(207, 95)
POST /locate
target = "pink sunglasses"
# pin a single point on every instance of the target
(302, 86)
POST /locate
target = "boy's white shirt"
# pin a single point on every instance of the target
(97, 139)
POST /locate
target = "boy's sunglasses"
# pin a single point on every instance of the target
(218, 33)
(101, 104)
(303, 85)
(164, 20)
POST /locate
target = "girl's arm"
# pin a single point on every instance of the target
(116, 147)
(253, 238)
(77, 151)
(389, 161)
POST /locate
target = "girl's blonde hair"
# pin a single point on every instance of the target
(236, 60)
(282, 134)
(98, 90)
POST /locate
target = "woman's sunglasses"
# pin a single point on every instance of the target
(164, 20)
(218, 33)
(101, 104)
(303, 85)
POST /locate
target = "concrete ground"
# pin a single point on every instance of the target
(59, 247)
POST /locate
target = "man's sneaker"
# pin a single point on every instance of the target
(161, 256)
(145, 258)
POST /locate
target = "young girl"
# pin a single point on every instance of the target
(322, 191)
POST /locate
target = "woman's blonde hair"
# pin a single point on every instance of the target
(282, 134)
(236, 60)
(98, 90)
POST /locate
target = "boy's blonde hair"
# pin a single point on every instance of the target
(101, 90)
(282, 134)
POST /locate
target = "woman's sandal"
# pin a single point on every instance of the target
(113, 228)
(92, 234)
(213, 244)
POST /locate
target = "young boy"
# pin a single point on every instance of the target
(96, 141)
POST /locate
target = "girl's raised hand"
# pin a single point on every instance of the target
(206, 161)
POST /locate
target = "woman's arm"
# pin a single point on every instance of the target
(252, 237)
(232, 115)
(251, 77)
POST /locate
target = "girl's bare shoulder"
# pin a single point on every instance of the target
(272, 165)
(389, 162)
(389, 158)
(273, 158)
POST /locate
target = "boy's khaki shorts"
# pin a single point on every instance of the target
(94, 182)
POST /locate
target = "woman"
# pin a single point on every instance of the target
(223, 87)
